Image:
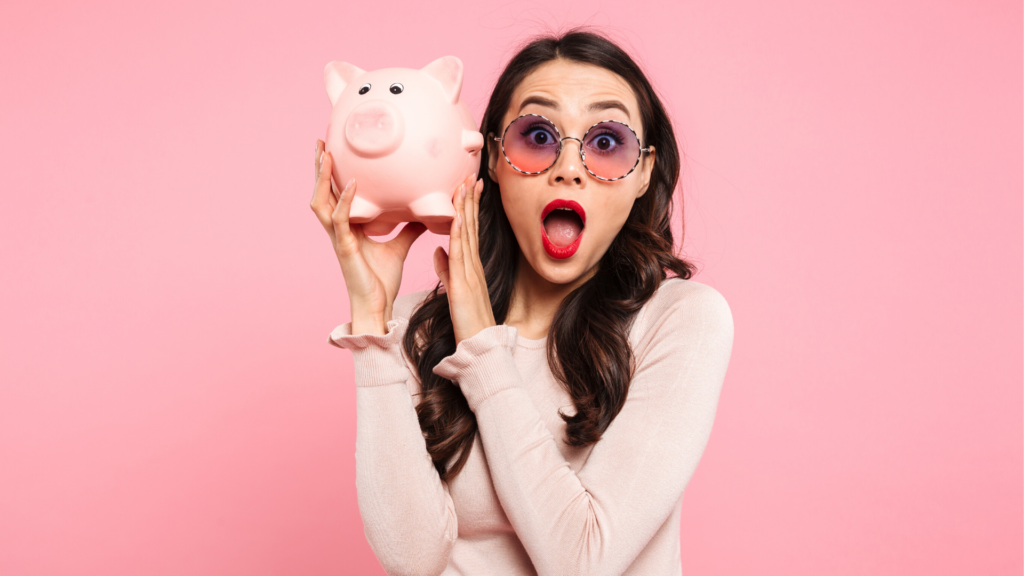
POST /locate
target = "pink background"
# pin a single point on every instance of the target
(853, 187)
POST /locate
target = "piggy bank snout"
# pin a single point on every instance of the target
(374, 128)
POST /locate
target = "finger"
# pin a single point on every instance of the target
(340, 215)
(335, 193)
(473, 229)
(455, 252)
(334, 189)
(323, 202)
(441, 265)
(466, 230)
(318, 149)
(403, 241)
(471, 211)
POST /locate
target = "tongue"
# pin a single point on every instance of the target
(562, 227)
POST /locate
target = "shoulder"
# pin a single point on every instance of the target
(407, 304)
(684, 312)
(693, 298)
(678, 298)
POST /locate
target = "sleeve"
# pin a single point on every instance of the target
(407, 511)
(598, 520)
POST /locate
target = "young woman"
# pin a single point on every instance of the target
(542, 410)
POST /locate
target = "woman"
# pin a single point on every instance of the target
(543, 413)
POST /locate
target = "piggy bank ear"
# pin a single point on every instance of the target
(448, 71)
(337, 75)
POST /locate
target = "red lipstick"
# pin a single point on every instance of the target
(561, 252)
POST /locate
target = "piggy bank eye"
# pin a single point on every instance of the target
(365, 88)
(397, 88)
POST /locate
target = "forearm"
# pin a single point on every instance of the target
(407, 512)
(551, 510)
(408, 515)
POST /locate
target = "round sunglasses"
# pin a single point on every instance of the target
(610, 150)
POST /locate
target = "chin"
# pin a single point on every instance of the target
(560, 276)
(559, 271)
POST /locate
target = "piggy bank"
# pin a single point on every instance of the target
(407, 139)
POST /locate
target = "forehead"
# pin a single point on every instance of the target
(574, 87)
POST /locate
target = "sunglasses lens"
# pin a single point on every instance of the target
(611, 150)
(531, 143)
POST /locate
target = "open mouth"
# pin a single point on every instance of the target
(562, 224)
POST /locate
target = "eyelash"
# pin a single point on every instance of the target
(611, 135)
(530, 128)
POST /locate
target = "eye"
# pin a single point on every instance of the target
(364, 89)
(539, 134)
(397, 88)
(540, 137)
(604, 142)
(607, 141)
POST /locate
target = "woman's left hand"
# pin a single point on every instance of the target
(461, 270)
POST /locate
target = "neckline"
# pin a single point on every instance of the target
(523, 342)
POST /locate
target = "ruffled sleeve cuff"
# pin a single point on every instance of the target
(483, 365)
(377, 358)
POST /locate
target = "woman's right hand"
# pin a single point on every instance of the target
(371, 290)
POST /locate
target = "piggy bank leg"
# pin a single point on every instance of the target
(435, 210)
(363, 210)
(379, 227)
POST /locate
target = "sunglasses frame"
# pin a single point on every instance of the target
(561, 139)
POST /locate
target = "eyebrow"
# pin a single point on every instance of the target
(595, 107)
(608, 105)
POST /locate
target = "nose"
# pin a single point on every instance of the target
(374, 128)
(569, 165)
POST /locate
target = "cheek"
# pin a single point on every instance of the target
(608, 221)
(517, 207)
(519, 201)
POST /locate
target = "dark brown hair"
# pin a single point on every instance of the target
(594, 361)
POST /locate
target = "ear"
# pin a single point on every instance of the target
(646, 167)
(447, 70)
(337, 75)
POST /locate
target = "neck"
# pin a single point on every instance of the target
(535, 300)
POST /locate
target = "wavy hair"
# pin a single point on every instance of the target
(594, 361)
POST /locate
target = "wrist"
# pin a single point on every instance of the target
(369, 324)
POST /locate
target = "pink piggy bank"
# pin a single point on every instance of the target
(407, 139)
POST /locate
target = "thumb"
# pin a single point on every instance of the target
(410, 232)
(441, 265)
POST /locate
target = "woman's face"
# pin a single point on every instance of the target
(574, 96)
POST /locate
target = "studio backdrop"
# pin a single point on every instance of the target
(852, 185)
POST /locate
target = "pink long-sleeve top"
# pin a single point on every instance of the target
(526, 502)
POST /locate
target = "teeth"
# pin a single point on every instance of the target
(566, 209)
